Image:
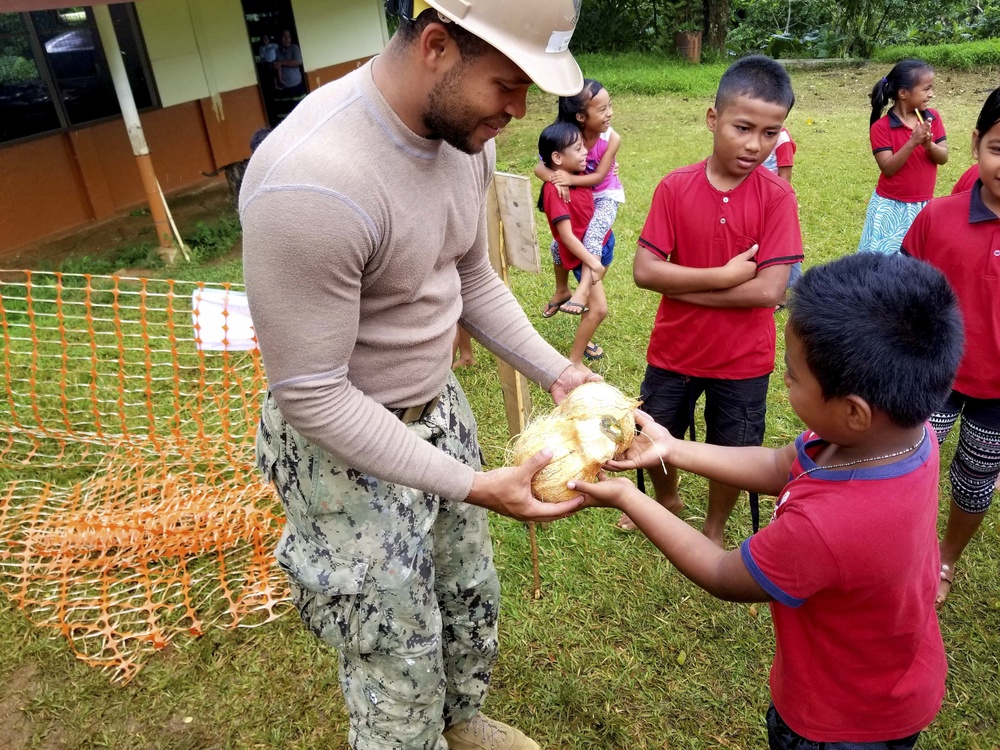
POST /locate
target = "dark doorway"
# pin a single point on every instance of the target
(277, 56)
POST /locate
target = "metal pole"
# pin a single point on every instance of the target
(157, 206)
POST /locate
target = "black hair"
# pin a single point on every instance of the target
(469, 45)
(886, 328)
(758, 77)
(558, 136)
(571, 106)
(989, 115)
(905, 74)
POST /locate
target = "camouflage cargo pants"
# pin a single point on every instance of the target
(399, 582)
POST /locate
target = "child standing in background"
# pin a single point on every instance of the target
(717, 245)
(562, 149)
(908, 144)
(780, 163)
(959, 235)
(591, 112)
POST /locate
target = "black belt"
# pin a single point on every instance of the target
(416, 413)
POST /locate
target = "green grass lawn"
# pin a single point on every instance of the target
(621, 651)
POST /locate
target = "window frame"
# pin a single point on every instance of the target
(42, 63)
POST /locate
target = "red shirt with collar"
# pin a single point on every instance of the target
(960, 236)
(693, 224)
(579, 211)
(851, 560)
(967, 180)
(914, 182)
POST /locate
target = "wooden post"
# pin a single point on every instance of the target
(516, 398)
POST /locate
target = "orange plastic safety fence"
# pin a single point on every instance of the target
(131, 512)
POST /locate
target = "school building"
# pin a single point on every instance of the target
(200, 77)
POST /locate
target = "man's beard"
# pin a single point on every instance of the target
(449, 118)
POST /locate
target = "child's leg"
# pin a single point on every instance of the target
(590, 320)
(605, 211)
(734, 416)
(973, 474)
(461, 350)
(562, 293)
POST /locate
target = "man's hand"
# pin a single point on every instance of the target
(651, 446)
(570, 378)
(508, 491)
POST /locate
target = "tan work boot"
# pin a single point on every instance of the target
(483, 733)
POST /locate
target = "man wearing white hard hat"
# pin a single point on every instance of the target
(364, 244)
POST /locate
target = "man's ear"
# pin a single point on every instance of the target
(711, 118)
(857, 413)
(437, 48)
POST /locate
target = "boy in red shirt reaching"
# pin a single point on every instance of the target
(718, 244)
(849, 561)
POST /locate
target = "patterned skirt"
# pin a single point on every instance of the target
(886, 223)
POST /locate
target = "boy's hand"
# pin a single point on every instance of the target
(605, 493)
(741, 268)
(650, 447)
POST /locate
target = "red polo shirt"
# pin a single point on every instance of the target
(693, 224)
(960, 236)
(579, 211)
(851, 560)
(967, 180)
(914, 182)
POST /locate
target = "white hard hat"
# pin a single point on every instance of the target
(534, 34)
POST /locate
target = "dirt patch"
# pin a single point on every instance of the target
(135, 228)
(15, 725)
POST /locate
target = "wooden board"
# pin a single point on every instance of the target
(517, 217)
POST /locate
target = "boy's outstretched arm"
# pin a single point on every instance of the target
(722, 574)
(762, 470)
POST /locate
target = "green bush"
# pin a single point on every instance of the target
(965, 56)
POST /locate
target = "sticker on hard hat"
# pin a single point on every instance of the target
(559, 41)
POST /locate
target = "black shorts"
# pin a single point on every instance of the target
(782, 737)
(734, 409)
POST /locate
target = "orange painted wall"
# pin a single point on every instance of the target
(52, 185)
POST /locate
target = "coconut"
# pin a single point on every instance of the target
(593, 424)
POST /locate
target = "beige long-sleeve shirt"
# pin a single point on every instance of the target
(363, 245)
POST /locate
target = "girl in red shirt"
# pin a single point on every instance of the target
(562, 149)
(908, 144)
(960, 235)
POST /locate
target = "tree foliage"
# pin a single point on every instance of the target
(856, 28)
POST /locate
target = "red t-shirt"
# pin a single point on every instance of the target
(914, 182)
(693, 224)
(579, 211)
(967, 180)
(960, 236)
(851, 560)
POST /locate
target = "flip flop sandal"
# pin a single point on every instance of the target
(593, 351)
(551, 308)
(573, 308)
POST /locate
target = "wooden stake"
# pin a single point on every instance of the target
(516, 398)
